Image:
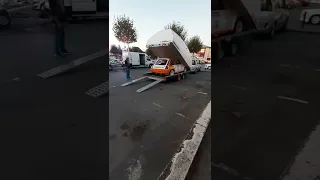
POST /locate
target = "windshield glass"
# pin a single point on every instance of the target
(162, 62)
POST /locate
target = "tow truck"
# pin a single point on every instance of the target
(171, 49)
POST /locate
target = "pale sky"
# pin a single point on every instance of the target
(150, 16)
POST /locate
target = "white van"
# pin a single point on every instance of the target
(136, 59)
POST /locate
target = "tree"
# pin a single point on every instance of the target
(150, 53)
(135, 49)
(124, 30)
(194, 44)
(114, 49)
(178, 28)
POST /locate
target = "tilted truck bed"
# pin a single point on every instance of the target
(168, 44)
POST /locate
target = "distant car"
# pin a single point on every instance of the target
(207, 66)
(42, 5)
(268, 22)
(311, 16)
(196, 66)
(5, 18)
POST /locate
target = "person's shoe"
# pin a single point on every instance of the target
(59, 55)
(65, 52)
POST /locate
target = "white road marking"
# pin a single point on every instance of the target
(16, 79)
(203, 93)
(135, 169)
(239, 87)
(293, 99)
(286, 65)
(114, 86)
(306, 164)
(182, 160)
(157, 105)
(181, 115)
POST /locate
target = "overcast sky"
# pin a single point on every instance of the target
(150, 16)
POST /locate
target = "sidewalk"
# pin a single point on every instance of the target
(294, 23)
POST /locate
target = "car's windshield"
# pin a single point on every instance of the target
(162, 62)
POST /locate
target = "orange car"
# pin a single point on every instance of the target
(167, 66)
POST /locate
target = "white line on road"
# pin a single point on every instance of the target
(286, 65)
(203, 93)
(239, 87)
(180, 164)
(293, 99)
(181, 115)
(157, 105)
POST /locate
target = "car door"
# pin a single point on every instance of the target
(84, 5)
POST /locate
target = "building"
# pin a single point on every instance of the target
(204, 53)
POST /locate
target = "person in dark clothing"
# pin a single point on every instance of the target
(59, 19)
(128, 67)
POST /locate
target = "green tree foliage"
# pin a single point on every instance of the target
(124, 30)
(194, 44)
(178, 28)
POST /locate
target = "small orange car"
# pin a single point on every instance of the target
(167, 66)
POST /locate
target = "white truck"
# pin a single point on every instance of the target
(234, 18)
(174, 59)
(77, 9)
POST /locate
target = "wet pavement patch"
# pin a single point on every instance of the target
(135, 131)
(112, 137)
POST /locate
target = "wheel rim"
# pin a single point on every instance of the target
(315, 20)
(171, 72)
(239, 27)
(4, 20)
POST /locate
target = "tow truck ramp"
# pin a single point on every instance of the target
(99, 90)
(158, 79)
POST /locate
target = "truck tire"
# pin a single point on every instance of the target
(5, 19)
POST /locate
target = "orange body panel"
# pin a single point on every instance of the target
(162, 71)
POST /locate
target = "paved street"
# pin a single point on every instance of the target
(147, 128)
(49, 128)
(266, 106)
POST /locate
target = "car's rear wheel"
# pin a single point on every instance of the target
(171, 72)
(315, 19)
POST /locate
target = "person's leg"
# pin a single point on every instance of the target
(63, 41)
(129, 74)
(56, 40)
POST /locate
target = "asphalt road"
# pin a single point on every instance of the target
(147, 128)
(255, 132)
(49, 128)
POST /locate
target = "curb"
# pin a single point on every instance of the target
(303, 31)
(178, 167)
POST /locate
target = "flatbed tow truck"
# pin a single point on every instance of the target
(174, 59)
(157, 79)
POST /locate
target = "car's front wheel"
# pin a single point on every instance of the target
(5, 19)
(315, 19)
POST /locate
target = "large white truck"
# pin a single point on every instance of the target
(234, 18)
(173, 54)
(137, 59)
(79, 8)
(174, 59)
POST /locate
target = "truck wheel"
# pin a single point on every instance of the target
(171, 72)
(5, 19)
(315, 20)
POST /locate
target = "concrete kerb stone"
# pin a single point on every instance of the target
(179, 165)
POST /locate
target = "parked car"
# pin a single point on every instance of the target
(268, 22)
(311, 16)
(5, 18)
(207, 66)
(196, 66)
(42, 5)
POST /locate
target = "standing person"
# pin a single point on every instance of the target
(59, 19)
(128, 67)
